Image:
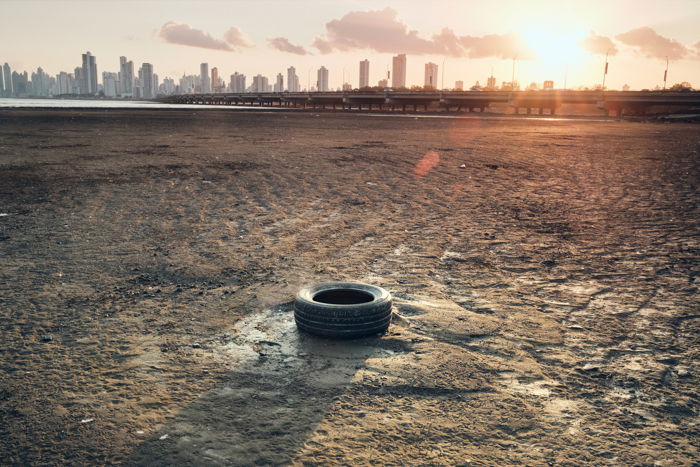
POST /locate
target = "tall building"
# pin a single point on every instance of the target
(459, 85)
(168, 86)
(64, 83)
(322, 80)
(204, 77)
(364, 73)
(398, 71)
(237, 83)
(126, 77)
(188, 84)
(147, 82)
(40, 83)
(260, 84)
(89, 84)
(292, 80)
(2, 83)
(7, 77)
(279, 83)
(110, 83)
(431, 75)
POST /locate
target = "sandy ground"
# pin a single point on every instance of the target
(545, 276)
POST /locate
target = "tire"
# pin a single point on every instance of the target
(343, 310)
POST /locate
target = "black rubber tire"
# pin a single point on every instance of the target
(367, 313)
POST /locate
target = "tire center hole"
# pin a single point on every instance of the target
(343, 297)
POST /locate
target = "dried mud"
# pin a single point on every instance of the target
(545, 276)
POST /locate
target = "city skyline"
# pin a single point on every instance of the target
(465, 40)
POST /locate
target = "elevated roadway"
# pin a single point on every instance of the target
(614, 102)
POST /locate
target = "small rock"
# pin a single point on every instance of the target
(682, 371)
(87, 420)
(196, 346)
(463, 166)
(47, 338)
(590, 367)
(163, 437)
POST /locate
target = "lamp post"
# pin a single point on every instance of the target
(605, 71)
(442, 86)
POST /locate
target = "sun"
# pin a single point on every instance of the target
(553, 46)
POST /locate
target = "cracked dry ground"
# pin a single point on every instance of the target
(545, 276)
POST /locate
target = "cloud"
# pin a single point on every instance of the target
(236, 38)
(283, 44)
(383, 32)
(599, 45)
(653, 45)
(497, 45)
(697, 50)
(184, 34)
(377, 30)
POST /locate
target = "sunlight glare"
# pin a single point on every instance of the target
(555, 47)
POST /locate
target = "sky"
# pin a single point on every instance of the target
(534, 40)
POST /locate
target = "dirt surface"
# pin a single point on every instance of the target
(545, 276)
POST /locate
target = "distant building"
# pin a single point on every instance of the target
(64, 83)
(431, 75)
(89, 75)
(398, 71)
(260, 84)
(279, 83)
(383, 83)
(167, 87)
(237, 83)
(322, 81)
(7, 77)
(491, 83)
(214, 78)
(147, 81)
(41, 83)
(110, 82)
(204, 80)
(459, 85)
(548, 85)
(126, 77)
(2, 82)
(364, 73)
(292, 80)
(189, 84)
(347, 87)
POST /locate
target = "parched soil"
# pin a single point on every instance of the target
(545, 276)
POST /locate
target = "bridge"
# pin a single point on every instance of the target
(614, 102)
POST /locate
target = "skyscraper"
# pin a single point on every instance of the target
(109, 83)
(65, 83)
(431, 74)
(89, 85)
(214, 79)
(260, 84)
(237, 83)
(146, 78)
(126, 77)
(292, 80)
(364, 73)
(279, 83)
(322, 80)
(204, 77)
(398, 71)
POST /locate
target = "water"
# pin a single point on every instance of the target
(111, 104)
